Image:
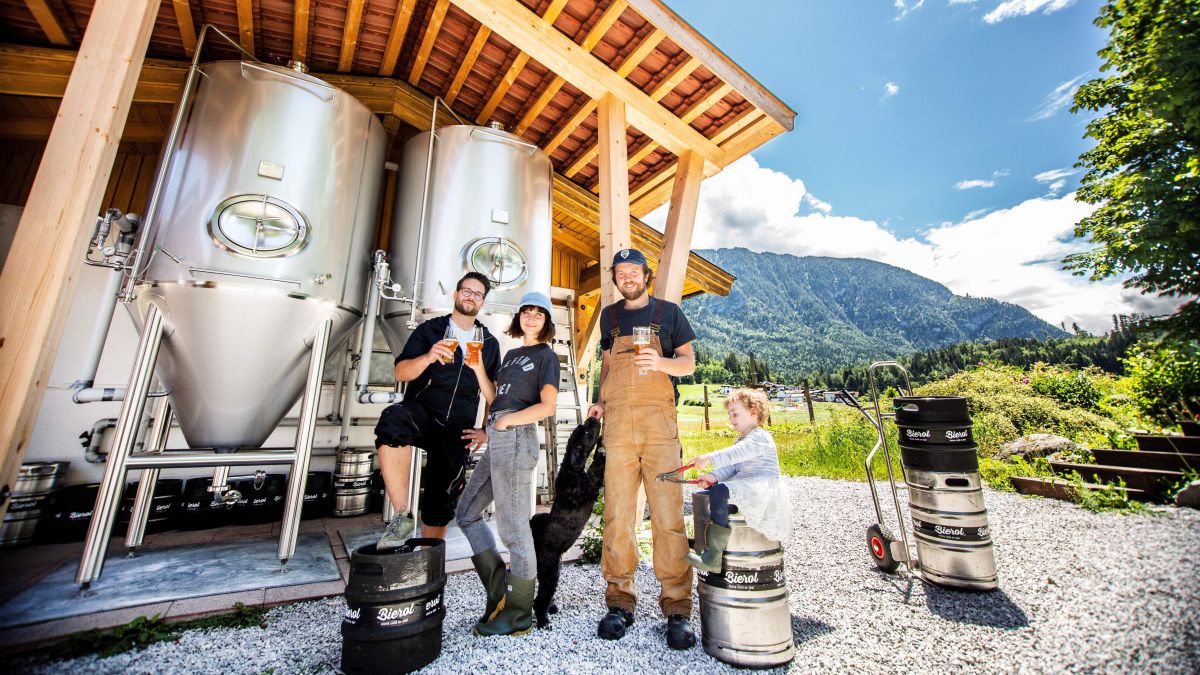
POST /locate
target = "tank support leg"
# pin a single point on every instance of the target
(128, 422)
(156, 442)
(304, 443)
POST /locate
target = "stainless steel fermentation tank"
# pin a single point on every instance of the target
(468, 198)
(253, 263)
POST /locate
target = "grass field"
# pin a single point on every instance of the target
(836, 446)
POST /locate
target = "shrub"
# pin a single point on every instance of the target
(1165, 379)
(1070, 389)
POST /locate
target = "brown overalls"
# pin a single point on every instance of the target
(641, 439)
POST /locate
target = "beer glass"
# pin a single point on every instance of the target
(475, 347)
(450, 339)
(641, 342)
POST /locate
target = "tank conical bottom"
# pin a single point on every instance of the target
(235, 358)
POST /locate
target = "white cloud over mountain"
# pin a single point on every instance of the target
(1010, 254)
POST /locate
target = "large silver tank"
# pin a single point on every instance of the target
(264, 231)
(487, 209)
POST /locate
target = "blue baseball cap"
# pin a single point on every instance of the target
(629, 255)
(535, 299)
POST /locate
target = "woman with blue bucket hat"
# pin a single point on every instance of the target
(526, 391)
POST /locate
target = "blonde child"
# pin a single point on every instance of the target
(746, 473)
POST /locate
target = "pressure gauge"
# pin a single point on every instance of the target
(258, 226)
(498, 259)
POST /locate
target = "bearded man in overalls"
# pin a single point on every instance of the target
(641, 438)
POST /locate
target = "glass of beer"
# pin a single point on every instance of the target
(475, 347)
(450, 339)
(641, 342)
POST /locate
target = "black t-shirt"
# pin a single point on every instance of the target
(523, 373)
(673, 331)
(449, 391)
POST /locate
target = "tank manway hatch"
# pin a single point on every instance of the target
(258, 226)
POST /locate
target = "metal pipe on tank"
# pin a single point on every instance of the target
(189, 87)
(420, 269)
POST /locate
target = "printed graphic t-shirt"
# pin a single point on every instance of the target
(523, 373)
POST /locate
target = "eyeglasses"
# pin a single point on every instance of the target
(468, 293)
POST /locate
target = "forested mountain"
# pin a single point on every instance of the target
(802, 314)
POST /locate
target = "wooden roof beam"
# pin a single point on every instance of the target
(354, 14)
(245, 17)
(300, 18)
(640, 52)
(510, 76)
(705, 102)
(47, 22)
(539, 39)
(391, 51)
(431, 31)
(468, 62)
(668, 84)
(585, 111)
(593, 37)
(187, 31)
(692, 42)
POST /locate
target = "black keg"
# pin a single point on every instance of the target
(318, 490)
(261, 500)
(935, 433)
(941, 468)
(72, 512)
(394, 608)
(163, 506)
(196, 508)
(33, 499)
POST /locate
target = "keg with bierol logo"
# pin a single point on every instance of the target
(394, 608)
(744, 618)
(941, 468)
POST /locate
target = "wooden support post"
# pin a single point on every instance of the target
(614, 191)
(681, 218)
(707, 426)
(808, 400)
(39, 276)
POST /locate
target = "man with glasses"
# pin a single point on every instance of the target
(438, 414)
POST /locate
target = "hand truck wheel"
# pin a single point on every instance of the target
(879, 545)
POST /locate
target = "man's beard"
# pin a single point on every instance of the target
(634, 294)
(458, 307)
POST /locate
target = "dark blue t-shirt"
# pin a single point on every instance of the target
(523, 373)
(674, 329)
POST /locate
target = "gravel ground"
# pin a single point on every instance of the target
(1079, 592)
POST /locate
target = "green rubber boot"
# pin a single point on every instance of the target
(715, 540)
(490, 568)
(516, 611)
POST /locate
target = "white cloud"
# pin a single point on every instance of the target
(1014, 8)
(974, 183)
(1010, 254)
(819, 205)
(890, 89)
(1058, 99)
(1056, 186)
(904, 8)
(961, 2)
(1054, 175)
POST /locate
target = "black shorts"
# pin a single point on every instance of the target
(444, 475)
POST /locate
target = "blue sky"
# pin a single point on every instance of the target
(930, 134)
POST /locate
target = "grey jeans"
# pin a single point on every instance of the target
(503, 475)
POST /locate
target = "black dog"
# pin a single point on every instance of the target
(575, 492)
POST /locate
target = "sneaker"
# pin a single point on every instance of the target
(679, 632)
(398, 530)
(613, 625)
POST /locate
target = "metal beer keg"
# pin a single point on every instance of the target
(394, 608)
(352, 482)
(32, 498)
(941, 468)
(744, 617)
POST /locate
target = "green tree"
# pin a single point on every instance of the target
(1166, 379)
(1144, 173)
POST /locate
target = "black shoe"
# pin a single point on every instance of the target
(613, 625)
(679, 632)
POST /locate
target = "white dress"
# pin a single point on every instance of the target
(750, 469)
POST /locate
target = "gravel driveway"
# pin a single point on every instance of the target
(1079, 592)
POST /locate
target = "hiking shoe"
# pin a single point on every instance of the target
(398, 530)
(613, 625)
(679, 632)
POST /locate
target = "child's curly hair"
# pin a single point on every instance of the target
(751, 399)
